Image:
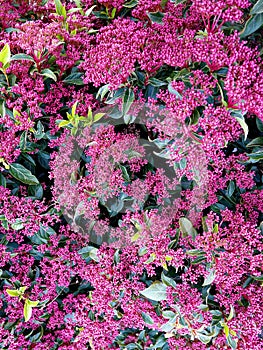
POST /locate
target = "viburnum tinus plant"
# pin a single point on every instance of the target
(81, 83)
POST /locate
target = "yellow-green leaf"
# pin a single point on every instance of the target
(27, 310)
(13, 292)
(135, 237)
(98, 116)
(5, 55)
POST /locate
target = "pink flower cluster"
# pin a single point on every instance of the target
(100, 247)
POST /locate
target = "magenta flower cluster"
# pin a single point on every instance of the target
(101, 247)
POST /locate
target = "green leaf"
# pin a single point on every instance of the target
(89, 11)
(205, 339)
(22, 57)
(168, 314)
(142, 251)
(64, 123)
(60, 9)
(2, 180)
(74, 79)
(257, 142)
(113, 13)
(33, 303)
(257, 8)
(127, 101)
(195, 252)
(147, 318)
(93, 254)
(130, 4)
(75, 9)
(116, 95)
(187, 228)
(43, 235)
(198, 260)
(231, 313)
(13, 292)
(231, 188)
(156, 82)
(231, 342)
(135, 237)
(35, 191)
(240, 118)
(49, 74)
(156, 291)
(103, 91)
(125, 173)
(97, 117)
(22, 174)
(163, 3)
(255, 157)
(168, 281)
(209, 279)
(156, 17)
(27, 310)
(5, 55)
(116, 257)
(22, 289)
(40, 133)
(258, 278)
(73, 109)
(128, 119)
(18, 225)
(259, 123)
(89, 252)
(150, 259)
(253, 24)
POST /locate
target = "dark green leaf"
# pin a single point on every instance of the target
(49, 74)
(257, 8)
(259, 124)
(258, 141)
(74, 78)
(22, 174)
(35, 191)
(127, 101)
(22, 56)
(253, 24)
(43, 159)
(168, 281)
(131, 4)
(147, 318)
(231, 342)
(156, 82)
(2, 180)
(117, 94)
(156, 17)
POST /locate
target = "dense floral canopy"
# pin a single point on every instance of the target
(98, 250)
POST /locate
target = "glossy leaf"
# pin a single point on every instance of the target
(156, 17)
(252, 25)
(156, 291)
(49, 74)
(127, 101)
(22, 57)
(22, 174)
(187, 228)
(5, 55)
(257, 8)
